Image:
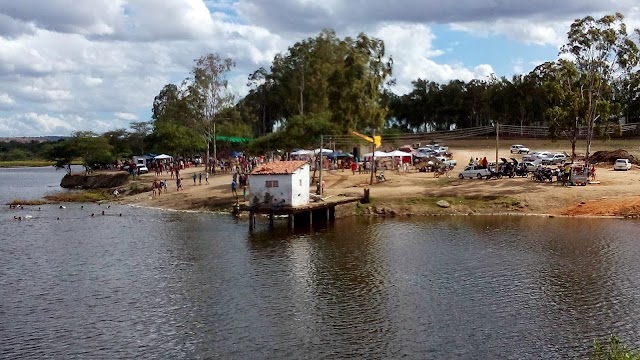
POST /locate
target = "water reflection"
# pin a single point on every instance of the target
(186, 285)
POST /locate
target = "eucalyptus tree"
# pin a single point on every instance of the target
(210, 94)
(357, 83)
(172, 115)
(566, 111)
(140, 131)
(603, 52)
(120, 141)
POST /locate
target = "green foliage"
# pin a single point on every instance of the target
(603, 53)
(62, 153)
(613, 350)
(79, 196)
(301, 131)
(321, 75)
(121, 143)
(93, 149)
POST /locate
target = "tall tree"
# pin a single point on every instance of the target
(173, 129)
(140, 131)
(211, 92)
(603, 52)
(563, 85)
(120, 141)
(356, 85)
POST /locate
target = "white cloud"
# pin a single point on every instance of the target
(97, 65)
(126, 116)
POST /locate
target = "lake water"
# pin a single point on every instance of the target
(156, 284)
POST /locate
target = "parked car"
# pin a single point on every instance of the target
(447, 162)
(531, 166)
(143, 169)
(520, 149)
(472, 171)
(531, 156)
(622, 164)
(554, 159)
(440, 150)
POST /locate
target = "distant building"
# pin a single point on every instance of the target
(280, 184)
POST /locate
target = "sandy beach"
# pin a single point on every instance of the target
(416, 194)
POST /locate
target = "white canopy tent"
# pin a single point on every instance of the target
(302, 152)
(399, 153)
(163, 157)
(324, 151)
(377, 154)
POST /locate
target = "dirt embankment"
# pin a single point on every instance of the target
(94, 181)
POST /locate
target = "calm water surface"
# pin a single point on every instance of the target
(154, 284)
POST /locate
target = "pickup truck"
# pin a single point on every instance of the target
(445, 161)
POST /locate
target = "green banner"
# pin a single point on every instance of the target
(233, 139)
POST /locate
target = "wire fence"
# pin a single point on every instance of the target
(511, 131)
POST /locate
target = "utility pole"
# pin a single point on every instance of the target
(319, 186)
(215, 149)
(373, 157)
(497, 137)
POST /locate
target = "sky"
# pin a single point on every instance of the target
(77, 65)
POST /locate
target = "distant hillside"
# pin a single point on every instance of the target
(28, 139)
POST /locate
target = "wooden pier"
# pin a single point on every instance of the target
(320, 211)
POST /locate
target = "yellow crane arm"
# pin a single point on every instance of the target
(377, 140)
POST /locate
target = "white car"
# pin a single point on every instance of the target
(472, 171)
(622, 164)
(553, 159)
(447, 162)
(143, 169)
(531, 156)
(531, 166)
(520, 149)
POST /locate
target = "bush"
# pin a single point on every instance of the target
(614, 350)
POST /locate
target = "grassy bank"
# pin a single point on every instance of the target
(32, 202)
(25, 163)
(81, 196)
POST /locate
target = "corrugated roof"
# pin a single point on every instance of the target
(278, 168)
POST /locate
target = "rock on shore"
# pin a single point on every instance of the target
(98, 181)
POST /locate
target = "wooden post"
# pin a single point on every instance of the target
(497, 136)
(271, 215)
(251, 218)
(291, 221)
(365, 198)
(321, 166)
(332, 213)
(373, 158)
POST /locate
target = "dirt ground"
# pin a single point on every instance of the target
(414, 193)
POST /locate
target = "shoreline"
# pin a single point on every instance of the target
(492, 214)
(617, 194)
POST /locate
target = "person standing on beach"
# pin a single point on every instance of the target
(194, 178)
(233, 188)
(206, 177)
(200, 179)
(178, 184)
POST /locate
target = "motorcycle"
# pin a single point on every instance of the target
(542, 175)
(522, 171)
